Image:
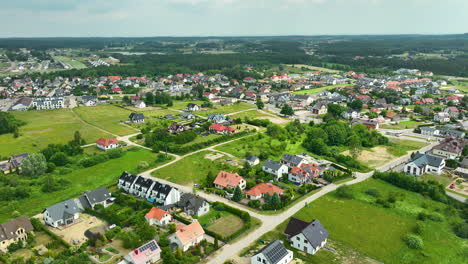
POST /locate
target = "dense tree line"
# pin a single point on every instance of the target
(9, 124)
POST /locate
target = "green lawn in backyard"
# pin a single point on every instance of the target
(443, 179)
(154, 111)
(402, 125)
(227, 109)
(318, 90)
(81, 180)
(76, 64)
(377, 232)
(254, 114)
(400, 147)
(182, 105)
(191, 169)
(46, 127)
(107, 117)
(221, 222)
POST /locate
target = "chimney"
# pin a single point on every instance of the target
(136, 251)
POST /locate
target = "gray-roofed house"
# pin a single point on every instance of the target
(187, 115)
(192, 107)
(193, 204)
(252, 160)
(429, 131)
(137, 118)
(216, 118)
(97, 196)
(424, 163)
(276, 168)
(292, 160)
(307, 237)
(63, 213)
(13, 163)
(22, 104)
(89, 100)
(273, 253)
(13, 231)
(450, 148)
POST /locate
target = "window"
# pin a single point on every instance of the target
(259, 259)
(305, 248)
(298, 238)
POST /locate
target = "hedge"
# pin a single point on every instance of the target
(41, 227)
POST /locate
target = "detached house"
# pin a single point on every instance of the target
(187, 236)
(292, 160)
(139, 104)
(157, 216)
(106, 144)
(146, 254)
(450, 148)
(220, 129)
(64, 213)
(320, 108)
(306, 237)
(14, 163)
(193, 205)
(229, 180)
(273, 253)
(276, 168)
(424, 163)
(303, 174)
(137, 118)
(192, 107)
(13, 231)
(259, 190)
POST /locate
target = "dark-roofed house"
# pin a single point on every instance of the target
(273, 253)
(137, 118)
(63, 213)
(307, 237)
(126, 181)
(141, 187)
(276, 168)
(22, 104)
(98, 196)
(422, 163)
(13, 231)
(193, 204)
(13, 163)
(450, 148)
(192, 107)
(187, 115)
(252, 160)
(291, 160)
(163, 194)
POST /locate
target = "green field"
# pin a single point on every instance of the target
(107, 117)
(46, 127)
(81, 180)
(377, 232)
(318, 90)
(442, 178)
(227, 109)
(182, 105)
(249, 114)
(76, 64)
(154, 111)
(191, 169)
(221, 222)
(402, 125)
(400, 147)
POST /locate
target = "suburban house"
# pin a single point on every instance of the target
(63, 213)
(98, 196)
(22, 104)
(176, 128)
(220, 129)
(442, 117)
(146, 254)
(193, 204)
(89, 100)
(157, 216)
(320, 108)
(307, 237)
(216, 118)
(137, 118)
(276, 168)
(292, 160)
(187, 236)
(350, 114)
(303, 174)
(252, 160)
(13, 231)
(259, 190)
(229, 180)
(145, 188)
(187, 115)
(48, 103)
(370, 124)
(139, 104)
(106, 144)
(192, 107)
(450, 148)
(13, 163)
(429, 131)
(273, 253)
(424, 163)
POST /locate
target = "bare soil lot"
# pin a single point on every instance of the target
(375, 157)
(76, 232)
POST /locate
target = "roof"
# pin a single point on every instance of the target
(16, 160)
(107, 142)
(221, 128)
(63, 210)
(273, 165)
(128, 177)
(188, 233)
(136, 116)
(314, 231)
(263, 188)
(274, 252)
(291, 159)
(451, 145)
(251, 158)
(156, 213)
(144, 253)
(227, 179)
(98, 195)
(190, 201)
(425, 159)
(8, 229)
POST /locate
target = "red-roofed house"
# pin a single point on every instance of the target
(114, 78)
(157, 216)
(229, 180)
(220, 129)
(261, 189)
(187, 236)
(304, 173)
(106, 144)
(117, 90)
(427, 101)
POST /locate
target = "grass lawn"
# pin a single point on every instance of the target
(377, 232)
(46, 127)
(248, 114)
(401, 147)
(318, 90)
(227, 109)
(191, 169)
(72, 62)
(311, 68)
(152, 111)
(107, 117)
(403, 125)
(182, 105)
(221, 222)
(442, 179)
(81, 180)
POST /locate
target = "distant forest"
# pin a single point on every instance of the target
(376, 53)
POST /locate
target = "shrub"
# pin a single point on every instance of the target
(143, 165)
(413, 241)
(344, 191)
(254, 203)
(114, 153)
(461, 230)
(373, 192)
(419, 228)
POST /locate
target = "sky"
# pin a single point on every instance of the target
(145, 18)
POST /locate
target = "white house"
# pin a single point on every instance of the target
(424, 163)
(64, 213)
(273, 253)
(140, 104)
(192, 107)
(442, 117)
(350, 114)
(275, 168)
(306, 237)
(187, 236)
(106, 144)
(157, 216)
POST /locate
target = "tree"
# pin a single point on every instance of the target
(259, 103)
(237, 194)
(418, 109)
(59, 159)
(149, 99)
(275, 199)
(335, 110)
(317, 146)
(356, 105)
(344, 191)
(413, 241)
(354, 143)
(267, 198)
(287, 110)
(34, 165)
